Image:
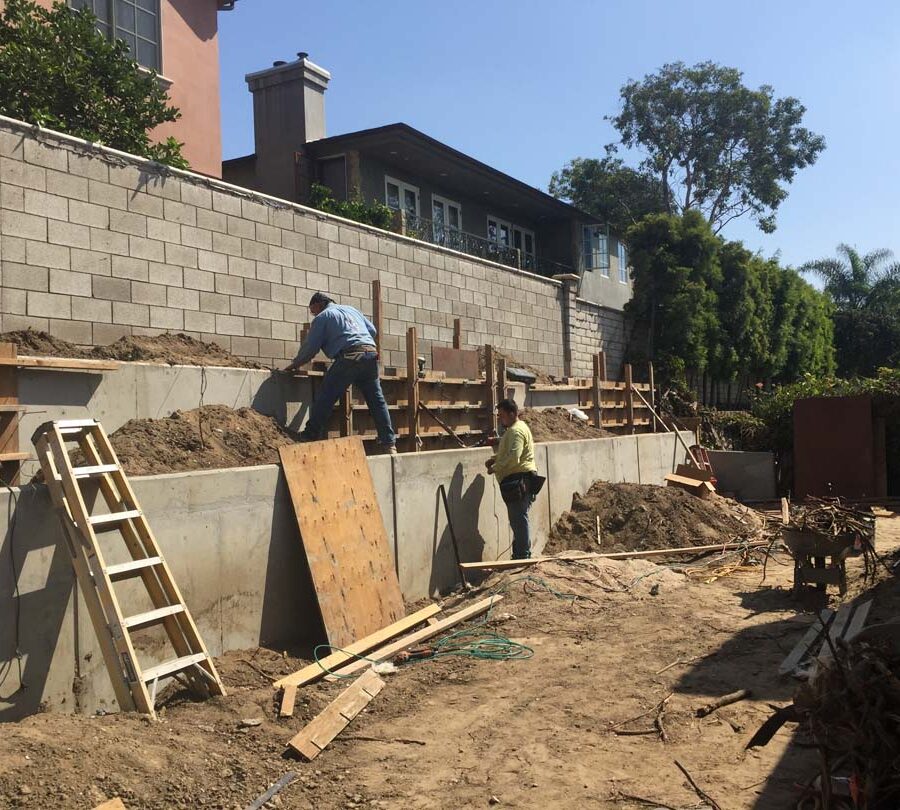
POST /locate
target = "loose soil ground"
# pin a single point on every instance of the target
(205, 438)
(639, 517)
(171, 348)
(460, 733)
(558, 425)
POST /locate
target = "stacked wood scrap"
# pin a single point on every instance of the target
(852, 712)
(832, 518)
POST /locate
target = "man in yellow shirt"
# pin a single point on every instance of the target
(514, 467)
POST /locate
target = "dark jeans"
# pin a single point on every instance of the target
(343, 373)
(521, 529)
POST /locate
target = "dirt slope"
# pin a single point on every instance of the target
(635, 517)
(205, 438)
(558, 425)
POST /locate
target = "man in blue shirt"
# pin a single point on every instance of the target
(347, 337)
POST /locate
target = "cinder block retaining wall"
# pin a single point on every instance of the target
(96, 244)
(232, 541)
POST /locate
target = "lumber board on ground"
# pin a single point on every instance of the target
(858, 621)
(499, 565)
(322, 729)
(330, 662)
(835, 632)
(287, 701)
(60, 363)
(343, 537)
(432, 630)
(805, 644)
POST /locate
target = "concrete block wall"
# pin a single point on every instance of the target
(96, 244)
(231, 539)
(594, 328)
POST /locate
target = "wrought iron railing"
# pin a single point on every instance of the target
(438, 233)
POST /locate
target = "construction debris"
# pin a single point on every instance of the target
(725, 700)
(313, 739)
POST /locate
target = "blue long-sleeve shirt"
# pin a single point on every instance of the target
(334, 329)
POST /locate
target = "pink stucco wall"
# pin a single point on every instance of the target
(190, 60)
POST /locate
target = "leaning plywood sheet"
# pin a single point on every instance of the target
(311, 741)
(343, 537)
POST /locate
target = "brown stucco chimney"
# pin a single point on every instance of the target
(288, 111)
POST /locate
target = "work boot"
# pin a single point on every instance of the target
(391, 450)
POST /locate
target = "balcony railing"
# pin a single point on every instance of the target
(437, 233)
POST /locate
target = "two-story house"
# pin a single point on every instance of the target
(439, 194)
(179, 40)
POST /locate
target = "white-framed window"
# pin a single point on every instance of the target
(623, 263)
(507, 234)
(401, 196)
(446, 220)
(595, 248)
(135, 21)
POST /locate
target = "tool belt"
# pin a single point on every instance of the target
(518, 486)
(358, 352)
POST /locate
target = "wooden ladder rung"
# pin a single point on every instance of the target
(93, 472)
(173, 666)
(151, 617)
(131, 569)
(103, 522)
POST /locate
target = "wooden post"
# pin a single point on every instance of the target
(652, 396)
(304, 331)
(376, 312)
(490, 374)
(457, 333)
(346, 413)
(501, 380)
(412, 388)
(595, 391)
(9, 418)
(629, 399)
(602, 356)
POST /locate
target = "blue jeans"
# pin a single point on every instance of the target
(343, 373)
(521, 529)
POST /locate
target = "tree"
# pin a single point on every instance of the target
(713, 144)
(866, 293)
(58, 71)
(608, 189)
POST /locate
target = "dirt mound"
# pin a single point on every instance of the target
(558, 425)
(638, 517)
(41, 344)
(172, 348)
(512, 362)
(230, 438)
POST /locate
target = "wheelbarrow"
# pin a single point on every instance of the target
(820, 559)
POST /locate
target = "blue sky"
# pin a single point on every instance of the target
(523, 85)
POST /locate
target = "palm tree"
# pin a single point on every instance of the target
(866, 293)
(858, 282)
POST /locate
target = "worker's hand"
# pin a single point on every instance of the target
(490, 464)
(288, 369)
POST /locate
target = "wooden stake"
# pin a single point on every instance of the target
(412, 388)
(9, 419)
(346, 413)
(652, 396)
(595, 391)
(287, 701)
(376, 312)
(602, 356)
(501, 379)
(490, 373)
(629, 398)
(457, 333)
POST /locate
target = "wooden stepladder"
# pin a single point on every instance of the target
(135, 687)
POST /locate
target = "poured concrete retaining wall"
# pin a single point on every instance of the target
(231, 539)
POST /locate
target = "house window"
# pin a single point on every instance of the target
(446, 221)
(135, 21)
(595, 248)
(401, 197)
(507, 235)
(623, 264)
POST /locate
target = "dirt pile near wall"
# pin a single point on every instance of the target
(206, 438)
(170, 347)
(40, 344)
(558, 425)
(512, 362)
(639, 517)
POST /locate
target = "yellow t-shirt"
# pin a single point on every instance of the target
(515, 453)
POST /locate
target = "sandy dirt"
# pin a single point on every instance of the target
(205, 438)
(554, 731)
(170, 348)
(638, 517)
(558, 425)
(512, 362)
